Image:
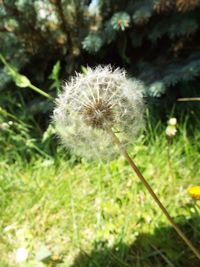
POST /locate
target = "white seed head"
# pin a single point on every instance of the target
(171, 131)
(93, 102)
(172, 121)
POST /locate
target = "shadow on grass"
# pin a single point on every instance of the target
(161, 249)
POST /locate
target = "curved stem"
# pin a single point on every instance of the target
(155, 197)
(38, 90)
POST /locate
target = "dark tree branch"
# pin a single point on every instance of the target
(64, 26)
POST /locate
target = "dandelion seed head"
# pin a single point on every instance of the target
(171, 131)
(172, 121)
(93, 102)
(171, 128)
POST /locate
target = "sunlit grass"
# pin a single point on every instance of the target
(101, 209)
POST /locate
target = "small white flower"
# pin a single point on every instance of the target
(21, 255)
(171, 131)
(172, 121)
(4, 125)
(93, 102)
(171, 128)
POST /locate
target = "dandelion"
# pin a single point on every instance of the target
(170, 133)
(94, 102)
(194, 192)
(171, 128)
(172, 121)
(103, 107)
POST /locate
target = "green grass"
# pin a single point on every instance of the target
(99, 214)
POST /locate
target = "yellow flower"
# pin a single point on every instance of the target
(194, 192)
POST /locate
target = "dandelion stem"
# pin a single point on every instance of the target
(169, 159)
(155, 197)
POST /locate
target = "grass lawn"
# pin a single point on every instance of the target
(99, 214)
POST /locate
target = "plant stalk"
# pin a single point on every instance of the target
(188, 99)
(38, 90)
(148, 187)
(169, 160)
